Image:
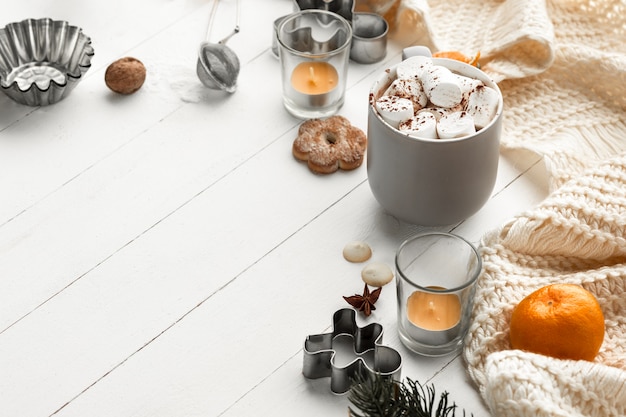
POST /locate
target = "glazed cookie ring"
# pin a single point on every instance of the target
(330, 144)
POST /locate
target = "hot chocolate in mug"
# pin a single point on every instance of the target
(427, 181)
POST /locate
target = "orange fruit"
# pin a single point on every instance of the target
(563, 321)
(451, 55)
(459, 57)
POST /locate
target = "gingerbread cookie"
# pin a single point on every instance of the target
(330, 144)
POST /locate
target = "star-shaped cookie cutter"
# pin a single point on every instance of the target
(370, 356)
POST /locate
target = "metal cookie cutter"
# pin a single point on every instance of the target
(369, 30)
(369, 38)
(344, 8)
(370, 356)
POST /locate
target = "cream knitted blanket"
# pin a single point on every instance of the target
(577, 235)
(561, 65)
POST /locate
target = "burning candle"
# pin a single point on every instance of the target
(432, 311)
(436, 277)
(314, 51)
(314, 78)
(432, 318)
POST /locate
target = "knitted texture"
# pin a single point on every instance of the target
(515, 37)
(525, 384)
(574, 112)
(577, 235)
(561, 66)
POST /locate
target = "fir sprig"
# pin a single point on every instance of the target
(377, 396)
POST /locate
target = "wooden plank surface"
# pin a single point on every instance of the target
(163, 253)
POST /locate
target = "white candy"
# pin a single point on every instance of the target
(376, 274)
(422, 125)
(413, 67)
(357, 251)
(482, 105)
(394, 109)
(441, 86)
(455, 125)
(409, 88)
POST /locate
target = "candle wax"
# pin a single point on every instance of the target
(433, 311)
(314, 78)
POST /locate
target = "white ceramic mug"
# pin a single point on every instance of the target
(432, 182)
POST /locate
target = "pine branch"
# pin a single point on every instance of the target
(377, 396)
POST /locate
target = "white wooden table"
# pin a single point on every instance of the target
(163, 254)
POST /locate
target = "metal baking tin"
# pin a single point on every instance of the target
(369, 30)
(371, 357)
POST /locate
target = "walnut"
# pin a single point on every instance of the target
(125, 76)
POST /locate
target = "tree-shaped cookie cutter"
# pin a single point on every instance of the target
(370, 356)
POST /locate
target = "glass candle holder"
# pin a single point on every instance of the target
(435, 281)
(314, 51)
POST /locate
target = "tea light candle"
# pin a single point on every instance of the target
(435, 279)
(314, 51)
(314, 78)
(433, 311)
(314, 84)
(433, 319)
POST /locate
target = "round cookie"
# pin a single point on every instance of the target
(330, 144)
(376, 274)
(357, 251)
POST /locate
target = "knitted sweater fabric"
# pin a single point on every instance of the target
(561, 66)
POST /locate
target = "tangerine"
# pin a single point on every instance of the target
(456, 55)
(563, 321)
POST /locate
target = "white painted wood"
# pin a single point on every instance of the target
(164, 254)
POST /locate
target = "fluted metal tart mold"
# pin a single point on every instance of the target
(42, 60)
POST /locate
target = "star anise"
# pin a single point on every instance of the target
(365, 302)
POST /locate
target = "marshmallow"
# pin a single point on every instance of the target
(394, 109)
(441, 86)
(455, 125)
(439, 112)
(482, 105)
(422, 125)
(408, 88)
(413, 67)
(468, 85)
